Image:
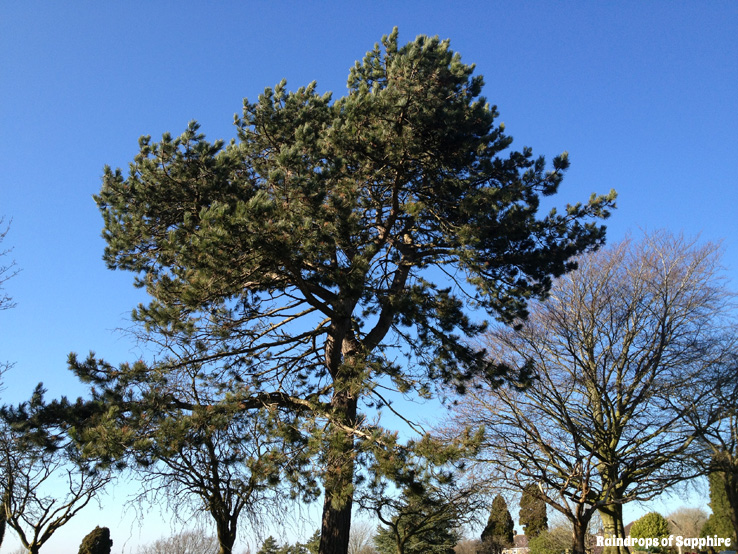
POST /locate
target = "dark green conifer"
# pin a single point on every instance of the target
(500, 528)
(532, 514)
(97, 542)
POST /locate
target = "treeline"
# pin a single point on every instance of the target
(343, 251)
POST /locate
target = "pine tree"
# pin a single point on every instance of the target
(290, 264)
(532, 514)
(269, 546)
(499, 531)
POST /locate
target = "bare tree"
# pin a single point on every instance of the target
(186, 542)
(687, 522)
(467, 546)
(361, 537)
(613, 349)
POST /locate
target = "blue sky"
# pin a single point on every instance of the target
(643, 96)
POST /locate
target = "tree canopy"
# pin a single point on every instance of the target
(339, 247)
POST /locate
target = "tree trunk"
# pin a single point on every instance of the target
(612, 522)
(338, 481)
(579, 536)
(225, 528)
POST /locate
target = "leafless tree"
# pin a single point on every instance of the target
(613, 350)
(687, 522)
(361, 537)
(467, 546)
(186, 542)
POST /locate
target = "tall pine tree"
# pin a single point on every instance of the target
(295, 264)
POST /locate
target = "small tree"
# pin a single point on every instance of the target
(98, 542)
(652, 525)
(499, 531)
(558, 540)
(532, 514)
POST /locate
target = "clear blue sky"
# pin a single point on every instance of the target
(643, 96)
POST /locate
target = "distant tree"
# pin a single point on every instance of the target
(499, 531)
(297, 261)
(269, 546)
(651, 525)
(186, 542)
(192, 448)
(361, 538)
(313, 543)
(532, 514)
(687, 522)
(98, 542)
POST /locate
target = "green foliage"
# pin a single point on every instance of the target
(532, 515)
(97, 542)
(288, 268)
(313, 543)
(271, 546)
(500, 526)
(652, 525)
(547, 542)
(719, 523)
